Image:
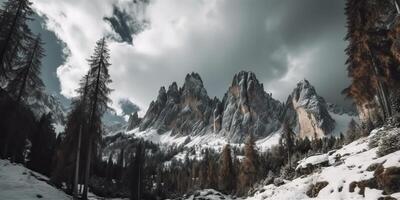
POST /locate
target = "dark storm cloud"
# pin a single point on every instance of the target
(282, 41)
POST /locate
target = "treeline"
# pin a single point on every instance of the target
(166, 173)
(23, 138)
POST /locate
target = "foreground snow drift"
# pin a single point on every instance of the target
(17, 182)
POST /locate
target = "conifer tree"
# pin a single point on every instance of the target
(25, 82)
(43, 144)
(288, 140)
(226, 171)
(136, 173)
(14, 32)
(97, 93)
(27, 75)
(203, 170)
(248, 169)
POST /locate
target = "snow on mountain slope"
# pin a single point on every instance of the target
(198, 142)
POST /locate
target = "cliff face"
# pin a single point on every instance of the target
(245, 109)
(308, 112)
(185, 110)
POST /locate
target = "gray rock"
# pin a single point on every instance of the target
(133, 121)
(249, 109)
(307, 112)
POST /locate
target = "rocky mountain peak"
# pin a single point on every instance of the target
(193, 87)
(162, 95)
(185, 110)
(247, 108)
(133, 121)
(311, 118)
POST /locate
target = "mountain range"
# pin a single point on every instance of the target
(186, 115)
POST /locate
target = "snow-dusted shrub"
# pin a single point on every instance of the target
(374, 138)
(389, 142)
(287, 172)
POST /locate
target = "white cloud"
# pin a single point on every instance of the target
(216, 38)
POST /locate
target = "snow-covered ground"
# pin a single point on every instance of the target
(20, 183)
(17, 182)
(354, 159)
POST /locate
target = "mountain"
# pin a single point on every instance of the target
(43, 103)
(247, 108)
(188, 116)
(308, 112)
(184, 111)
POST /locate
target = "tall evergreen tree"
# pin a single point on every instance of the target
(26, 80)
(14, 32)
(226, 178)
(373, 57)
(27, 75)
(43, 144)
(136, 173)
(288, 140)
(248, 169)
(97, 91)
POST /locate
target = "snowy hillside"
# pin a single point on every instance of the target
(352, 172)
(17, 182)
(20, 183)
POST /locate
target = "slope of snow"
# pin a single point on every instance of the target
(199, 142)
(268, 142)
(20, 183)
(313, 160)
(356, 159)
(17, 182)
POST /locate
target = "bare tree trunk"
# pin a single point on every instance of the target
(382, 94)
(78, 153)
(397, 3)
(87, 171)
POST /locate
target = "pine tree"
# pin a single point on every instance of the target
(203, 170)
(226, 176)
(373, 57)
(43, 144)
(288, 140)
(27, 75)
(136, 173)
(248, 169)
(26, 80)
(97, 93)
(14, 32)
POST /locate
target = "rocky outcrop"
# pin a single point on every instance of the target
(247, 108)
(307, 112)
(134, 121)
(185, 110)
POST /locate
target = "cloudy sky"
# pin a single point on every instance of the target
(281, 41)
